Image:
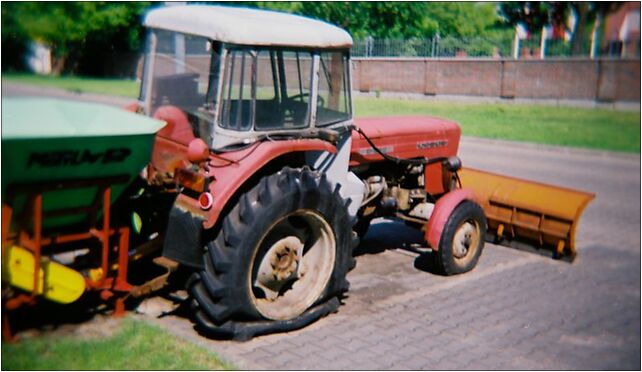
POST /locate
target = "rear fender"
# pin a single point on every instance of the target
(227, 176)
(443, 209)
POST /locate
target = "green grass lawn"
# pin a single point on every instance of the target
(134, 346)
(563, 126)
(115, 87)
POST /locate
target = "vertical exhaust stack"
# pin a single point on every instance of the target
(534, 214)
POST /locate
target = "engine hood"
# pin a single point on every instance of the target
(394, 126)
(406, 137)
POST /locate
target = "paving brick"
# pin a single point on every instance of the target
(312, 362)
(356, 345)
(306, 349)
(283, 359)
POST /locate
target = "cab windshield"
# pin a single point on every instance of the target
(270, 89)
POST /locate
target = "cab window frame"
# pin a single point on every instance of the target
(281, 86)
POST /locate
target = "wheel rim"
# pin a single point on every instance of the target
(466, 241)
(292, 265)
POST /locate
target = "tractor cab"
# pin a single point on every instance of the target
(227, 88)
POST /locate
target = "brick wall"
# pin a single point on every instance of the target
(563, 79)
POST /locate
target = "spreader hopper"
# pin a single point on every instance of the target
(68, 150)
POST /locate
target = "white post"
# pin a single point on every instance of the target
(542, 44)
(594, 41)
(516, 44)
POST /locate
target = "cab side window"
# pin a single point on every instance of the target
(237, 96)
(333, 102)
(283, 89)
(266, 88)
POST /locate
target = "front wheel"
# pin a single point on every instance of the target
(462, 239)
(281, 256)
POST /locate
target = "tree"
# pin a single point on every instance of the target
(14, 42)
(462, 19)
(377, 19)
(534, 15)
(588, 13)
(396, 19)
(69, 27)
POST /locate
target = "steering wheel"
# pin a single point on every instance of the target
(301, 96)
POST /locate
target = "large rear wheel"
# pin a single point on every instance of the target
(279, 261)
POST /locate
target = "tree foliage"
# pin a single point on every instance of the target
(462, 19)
(69, 28)
(534, 15)
(89, 37)
(85, 36)
(14, 41)
(384, 19)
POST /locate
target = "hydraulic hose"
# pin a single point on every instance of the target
(397, 160)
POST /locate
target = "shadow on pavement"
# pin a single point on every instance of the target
(385, 234)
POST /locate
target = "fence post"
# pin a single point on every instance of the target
(433, 47)
(516, 44)
(594, 37)
(542, 44)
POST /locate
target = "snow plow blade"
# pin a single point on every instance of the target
(527, 214)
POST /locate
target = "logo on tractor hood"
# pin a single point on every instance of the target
(371, 151)
(77, 157)
(432, 144)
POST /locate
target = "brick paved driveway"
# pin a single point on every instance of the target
(516, 310)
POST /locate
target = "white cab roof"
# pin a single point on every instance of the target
(248, 26)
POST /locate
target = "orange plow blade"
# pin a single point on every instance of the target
(528, 214)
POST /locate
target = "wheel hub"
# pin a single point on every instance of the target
(285, 260)
(464, 239)
(279, 266)
(294, 266)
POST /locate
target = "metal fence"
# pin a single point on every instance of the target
(502, 46)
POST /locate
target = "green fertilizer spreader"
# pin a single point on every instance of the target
(53, 142)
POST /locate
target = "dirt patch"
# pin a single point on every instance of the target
(98, 327)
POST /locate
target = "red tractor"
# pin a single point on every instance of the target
(277, 179)
(271, 181)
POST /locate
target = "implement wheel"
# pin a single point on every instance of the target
(279, 261)
(462, 239)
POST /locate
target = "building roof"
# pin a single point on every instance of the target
(246, 26)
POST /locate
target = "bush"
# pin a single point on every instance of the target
(15, 43)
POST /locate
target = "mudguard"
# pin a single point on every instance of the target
(443, 208)
(183, 238)
(227, 173)
(228, 177)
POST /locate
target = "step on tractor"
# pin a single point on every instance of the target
(259, 185)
